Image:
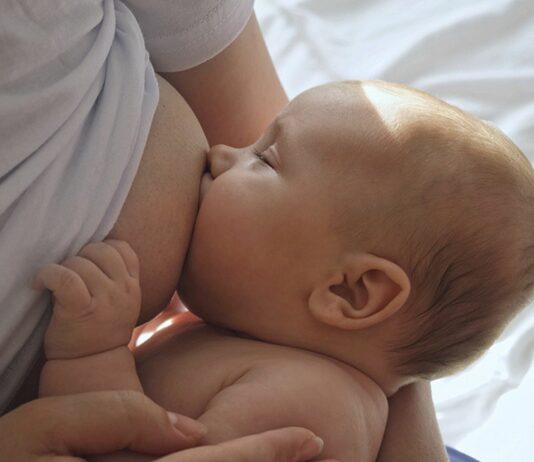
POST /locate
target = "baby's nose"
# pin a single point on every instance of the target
(221, 158)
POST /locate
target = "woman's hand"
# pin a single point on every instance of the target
(51, 429)
(290, 444)
(59, 428)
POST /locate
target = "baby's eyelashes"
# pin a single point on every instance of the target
(262, 157)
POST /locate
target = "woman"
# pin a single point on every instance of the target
(91, 150)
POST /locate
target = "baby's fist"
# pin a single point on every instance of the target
(97, 300)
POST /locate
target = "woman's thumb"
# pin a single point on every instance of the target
(100, 422)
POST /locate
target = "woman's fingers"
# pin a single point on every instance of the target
(102, 422)
(285, 445)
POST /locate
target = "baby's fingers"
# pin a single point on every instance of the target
(130, 258)
(66, 285)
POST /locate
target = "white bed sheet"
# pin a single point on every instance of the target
(478, 55)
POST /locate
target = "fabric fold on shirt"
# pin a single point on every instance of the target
(77, 96)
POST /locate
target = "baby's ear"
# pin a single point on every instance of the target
(363, 292)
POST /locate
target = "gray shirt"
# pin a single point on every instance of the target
(77, 97)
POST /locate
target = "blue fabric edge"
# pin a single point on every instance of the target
(457, 456)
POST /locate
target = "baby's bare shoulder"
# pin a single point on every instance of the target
(239, 386)
(290, 387)
(306, 368)
(183, 366)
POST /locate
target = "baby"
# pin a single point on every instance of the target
(373, 236)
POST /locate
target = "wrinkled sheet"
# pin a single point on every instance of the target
(478, 55)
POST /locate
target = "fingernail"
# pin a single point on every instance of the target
(310, 449)
(189, 427)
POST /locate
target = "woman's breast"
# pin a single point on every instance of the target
(158, 216)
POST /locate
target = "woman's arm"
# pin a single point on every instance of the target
(236, 94)
(412, 431)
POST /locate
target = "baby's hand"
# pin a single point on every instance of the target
(97, 300)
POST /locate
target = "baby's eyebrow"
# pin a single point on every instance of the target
(279, 130)
(280, 123)
(282, 136)
(276, 126)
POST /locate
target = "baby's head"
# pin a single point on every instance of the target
(372, 223)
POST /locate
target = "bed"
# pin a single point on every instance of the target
(478, 55)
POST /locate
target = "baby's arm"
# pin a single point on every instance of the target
(322, 398)
(97, 302)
